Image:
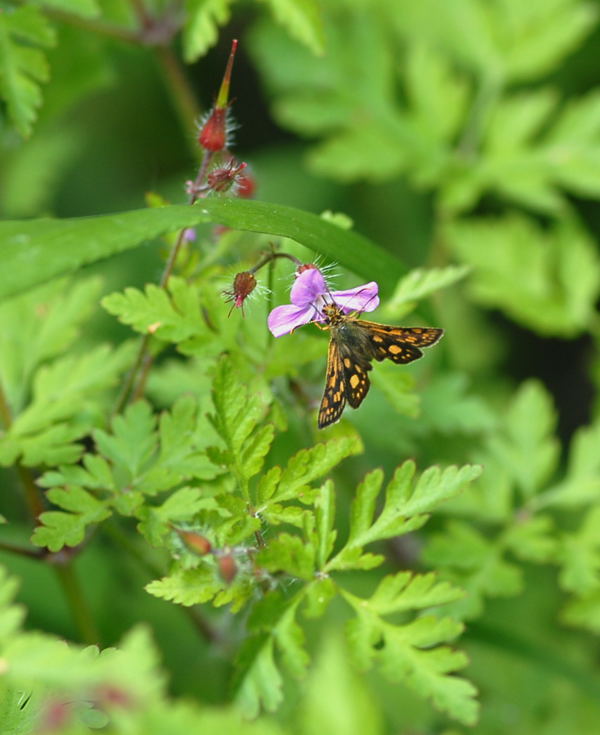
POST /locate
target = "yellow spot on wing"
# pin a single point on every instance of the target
(354, 381)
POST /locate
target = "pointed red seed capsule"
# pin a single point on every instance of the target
(213, 135)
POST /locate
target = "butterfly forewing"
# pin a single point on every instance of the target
(399, 344)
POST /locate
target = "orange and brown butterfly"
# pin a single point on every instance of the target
(353, 345)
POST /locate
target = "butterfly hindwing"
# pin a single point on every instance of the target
(334, 397)
(399, 344)
(356, 378)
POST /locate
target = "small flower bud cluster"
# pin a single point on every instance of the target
(220, 172)
(229, 561)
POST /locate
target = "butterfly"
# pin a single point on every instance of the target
(354, 344)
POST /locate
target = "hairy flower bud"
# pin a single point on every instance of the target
(195, 542)
(216, 128)
(227, 568)
(243, 285)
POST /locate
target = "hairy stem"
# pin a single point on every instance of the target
(182, 96)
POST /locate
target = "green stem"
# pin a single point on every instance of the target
(80, 610)
(108, 30)
(37, 554)
(182, 96)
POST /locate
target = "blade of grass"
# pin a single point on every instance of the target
(34, 251)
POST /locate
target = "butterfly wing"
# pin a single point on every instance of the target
(398, 344)
(356, 379)
(334, 397)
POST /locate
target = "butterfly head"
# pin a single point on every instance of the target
(333, 314)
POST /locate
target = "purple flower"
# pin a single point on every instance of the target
(310, 293)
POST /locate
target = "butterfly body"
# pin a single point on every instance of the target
(354, 344)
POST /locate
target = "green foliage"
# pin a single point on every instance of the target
(161, 455)
(202, 27)
(62, 246)
(548, 281)
(24, 32)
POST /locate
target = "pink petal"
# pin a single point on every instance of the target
(361, 298)
(284, 319)
(307, 288)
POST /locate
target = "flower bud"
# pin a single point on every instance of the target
(227, 568)
(243, 285)
(225, 178)
(195, 542)
(216, 128)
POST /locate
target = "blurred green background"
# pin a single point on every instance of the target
(450, 132)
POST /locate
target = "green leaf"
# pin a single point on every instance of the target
(171, 314)
(420, 283)
(526, 448)
(337, 700)
(411, 652)
(325, 532)
(404, 506)
(132, 443)
(507, 40)
(546, 279)
(258, 683)
(238, 410)
(302, 20)
(542, 34)
(447, 407)
(398, 388)
(290, 554)
(64, 405)
(579, 556)
(581, 484)
(182, 505)
(532, 539)
(188, 586)
(63, 246)
(201, 29)
(304, 467)
(406, 591)
(474, 562)
(584, 612)
(530, 168)
(60, 529)
(23, 65)
(40, 325)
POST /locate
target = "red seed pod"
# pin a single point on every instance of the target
(213, 135)
(227, 568)
(195, 542)
(246, 185)
(225, 178)
(243, 285)
(216, 128)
